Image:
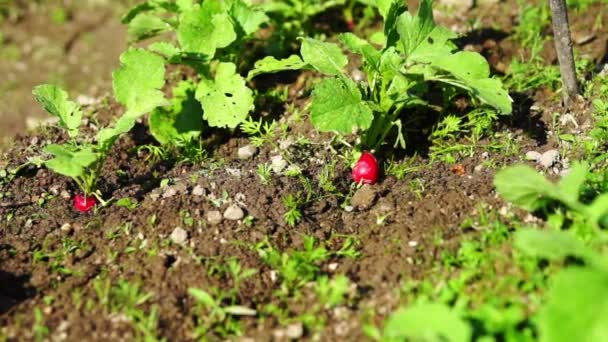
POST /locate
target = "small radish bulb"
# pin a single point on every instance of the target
(84, 203)
(366, 170)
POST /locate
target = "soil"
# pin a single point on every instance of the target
(78, 52)
(401, 226)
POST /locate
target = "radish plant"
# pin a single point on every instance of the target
(136, 85)
(209, 36)
(416, 53)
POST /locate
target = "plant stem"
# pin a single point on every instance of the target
(563, 46)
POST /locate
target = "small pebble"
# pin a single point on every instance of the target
(169, 192)
(295, 331)
(247, 151)
(214, 217)
(198, 190)
(66, 227)
(179, 236)
(277, 163)
(234, 213)
(364, 197)
(533, 155)
(549, 158)
(65, 195)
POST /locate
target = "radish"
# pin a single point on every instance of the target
(366, 169)
(84, 203)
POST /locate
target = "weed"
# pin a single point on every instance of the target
(292, 209)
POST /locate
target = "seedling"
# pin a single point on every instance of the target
(136, 85)
(525, 187)
(415, 54)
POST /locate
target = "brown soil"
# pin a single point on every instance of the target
(78, 53)
(401, 228)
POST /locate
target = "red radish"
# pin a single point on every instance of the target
(350, 24)
(84, 203)
(366, 170)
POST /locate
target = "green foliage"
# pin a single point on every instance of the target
(295, 268)
(181, 122)
(416, 52)
(212, 315)
(226, 99)
(138, 81)
(55, 101)
(338, 106)
(583, 289)
(524, 187)
(423, 322)
(210, 36)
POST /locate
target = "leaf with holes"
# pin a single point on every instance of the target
(270, 65)
(226, 100)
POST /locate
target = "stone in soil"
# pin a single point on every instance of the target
(198, 190)
(214, 217)
(533, 155)
(277, 163)
(364, 197)
(179, 236)
(294, 331)
(234, 213)
(247, 151)
(549, 158)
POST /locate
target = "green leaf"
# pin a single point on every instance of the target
(571, 184)
(69, 161)
(598, 209)
(360, 46)
(203, 297)
(248, 18)
(550, 244)
(583, 291)
(337, 105)
(226, 100)
(427, 322)
(55, 101)
(391, 10)
(326, 58)
(420, 38)
(205, 29)
(270, 64)
(107, 136)
(146, 26)
(138, 81)
(182, 121)
(473, 73)
(523, 186)
(165, 49)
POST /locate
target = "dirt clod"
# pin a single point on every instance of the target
(214, 217)
(364, 197)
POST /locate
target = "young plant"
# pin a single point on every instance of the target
(136, 86)
(210, 38)
(416, 56)
(526, 188)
